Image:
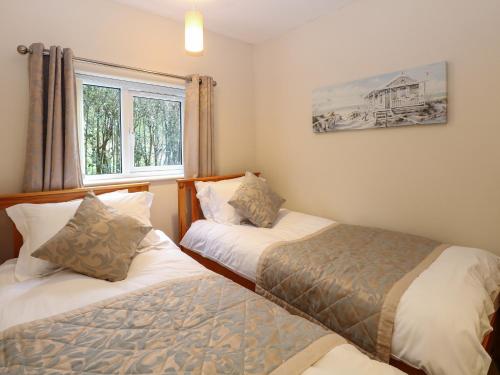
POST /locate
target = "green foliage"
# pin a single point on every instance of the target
(157, 132)
(101, 111)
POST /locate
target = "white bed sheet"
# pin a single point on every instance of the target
(238, 247)
(441, 318)
(65, 290)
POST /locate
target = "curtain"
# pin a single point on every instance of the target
(199, 128)
(52, 154)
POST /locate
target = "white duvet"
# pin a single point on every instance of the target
(442, 317)
(64, 291)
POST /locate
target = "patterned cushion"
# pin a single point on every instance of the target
(96, 242)
(255, 201)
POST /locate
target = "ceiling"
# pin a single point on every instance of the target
(251, 21)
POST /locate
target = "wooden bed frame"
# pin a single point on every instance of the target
(190, 211)
(56, 196)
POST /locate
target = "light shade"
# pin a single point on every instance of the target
(193, 35)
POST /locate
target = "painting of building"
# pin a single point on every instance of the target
(414, 97)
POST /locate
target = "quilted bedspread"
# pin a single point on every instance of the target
(201, 325)
(347, 278)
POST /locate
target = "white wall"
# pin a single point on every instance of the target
(438, 181)
(112, 32)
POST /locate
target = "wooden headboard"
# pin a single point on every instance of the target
(189, 206)
(56, 196)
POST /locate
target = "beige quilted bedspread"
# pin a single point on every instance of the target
(347, 278)
(202, 325)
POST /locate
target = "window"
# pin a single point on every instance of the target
(102, 130)
(129, 129)
(157, 132)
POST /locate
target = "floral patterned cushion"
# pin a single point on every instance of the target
(255, 201)
(97, 241)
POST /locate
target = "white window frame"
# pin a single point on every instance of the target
(129, 89)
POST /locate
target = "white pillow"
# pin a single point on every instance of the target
(214, 197)
(37, 223)
(137, 205)
(203, 195)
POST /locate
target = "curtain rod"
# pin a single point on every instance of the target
(23, 50)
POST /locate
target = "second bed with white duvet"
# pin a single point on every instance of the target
(431, 314)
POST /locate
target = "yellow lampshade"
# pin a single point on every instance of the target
(193, 37)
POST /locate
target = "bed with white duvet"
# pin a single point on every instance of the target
(441, 319)
(43, 297)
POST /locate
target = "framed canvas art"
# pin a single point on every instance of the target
(415, 96)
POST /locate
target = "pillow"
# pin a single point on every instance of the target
(254, 200)
(215, 196)
(98, 241)
(37, 223)
(203, 195)
(137, 205)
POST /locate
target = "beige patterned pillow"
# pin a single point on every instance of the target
(255, 201)
(97, 241)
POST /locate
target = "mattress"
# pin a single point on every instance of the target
(431, 314)
(65, 291)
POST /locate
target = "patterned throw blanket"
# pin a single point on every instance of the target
(347, 278)
(201, 325)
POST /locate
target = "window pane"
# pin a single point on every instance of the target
(157, 129)
(102, 112)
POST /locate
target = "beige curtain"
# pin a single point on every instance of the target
(199, 128)
(52, 156)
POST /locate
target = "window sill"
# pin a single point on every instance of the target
(124, 180)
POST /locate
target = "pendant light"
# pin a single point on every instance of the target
(193, 33)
